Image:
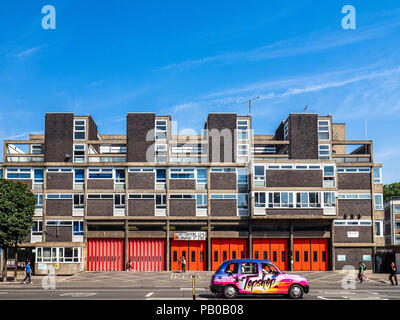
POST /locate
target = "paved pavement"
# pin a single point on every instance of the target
(177, 286)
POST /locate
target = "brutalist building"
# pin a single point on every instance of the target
(303, 196)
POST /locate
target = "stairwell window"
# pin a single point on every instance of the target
(80, 129)
(323, 129)
(378, 201)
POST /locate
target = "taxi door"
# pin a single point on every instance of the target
(249, 274)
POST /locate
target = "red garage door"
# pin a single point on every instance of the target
(310, 254)
(194, 252)
(147, 254)
(226, 249)
(274, 250)
(105, 255)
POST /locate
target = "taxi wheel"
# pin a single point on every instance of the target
(295, 291)
(230, 292)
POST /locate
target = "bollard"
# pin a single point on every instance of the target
(193, 287)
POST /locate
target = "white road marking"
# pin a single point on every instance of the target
(3, 292)
(78, 294)
(149, 294)
(373, 292)
(186, 289)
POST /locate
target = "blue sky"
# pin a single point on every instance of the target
(188, 58)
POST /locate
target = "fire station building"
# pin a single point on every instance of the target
(304, 196)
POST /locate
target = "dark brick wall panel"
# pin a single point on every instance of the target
(92, 133)
(340, 234)
(223, 207)
(64, 234)
(100, 184)
(223, 181)
(303, 130)
(59, 207)
(221, 122)
(142, 180)
(141, 207)
(294, 178)
(138, 125)
(353, 257)
(355, 207)
(58, 140)
(182, 207)
(100, 207)
(354, 181)
(64, 181)
(182, 184)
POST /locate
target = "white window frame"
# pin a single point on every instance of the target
(286, 130)
(328, 126)
(80, 130)
(378, 206)
(240, 131)
(258, 178)
(183, 171)
(156, 130)
(324, 156)
(379, 228)
(378, 180)
(160, 152)
(76, 156)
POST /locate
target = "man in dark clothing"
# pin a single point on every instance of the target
(393, 272)
(28, 272)
(183, 263)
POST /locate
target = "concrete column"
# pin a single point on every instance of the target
(126, 253)
(290, 255)
(209, 246)
(168, 248)
(250, 254)
(332, 248)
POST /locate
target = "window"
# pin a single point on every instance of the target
(329, 171)
(259, 199)
(36, 149)
(243, 201)
(201, 201)
(141, 196)
(182, 173)
(354, 170)
(100, 173)
(249, 268)
(161, 175)
(286, 131)
(242, 153)
(396, 208)
(18, 173)
(329, 199)
(161, 201)
(354, 196)
(119, 201)
(58, 196)
(79, 201)
(377, 175)
(225, 170)
(161, 130)
(37, 228)
(379, 228)
(161, 153)
(232, 268)
(182, 196)
(80, 129)
(38, 175)
(100, 196)
(329, 177)
(308, 200)
(39, 201)
(79, 153)
(201, 176)
(242, 178)
(223, 196)
(378, 201)
(78, 228)
(242, 129)
(120, 175)
(259, 176)
(280, 200)
(323, 129)
(364, 223)
(1, 172)
(79, 175)
(324, 152)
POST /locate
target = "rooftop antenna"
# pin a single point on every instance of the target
(249, 101)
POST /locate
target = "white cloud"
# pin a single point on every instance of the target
(27, 52)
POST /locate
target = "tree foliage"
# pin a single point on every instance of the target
(391, 190)
(17, 207)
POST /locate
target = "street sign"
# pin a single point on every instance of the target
(57, 266)
(189, 236)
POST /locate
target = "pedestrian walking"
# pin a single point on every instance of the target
(129, 264)
(361, 270)
(182, 260)
(393, 274)
(28, 272)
